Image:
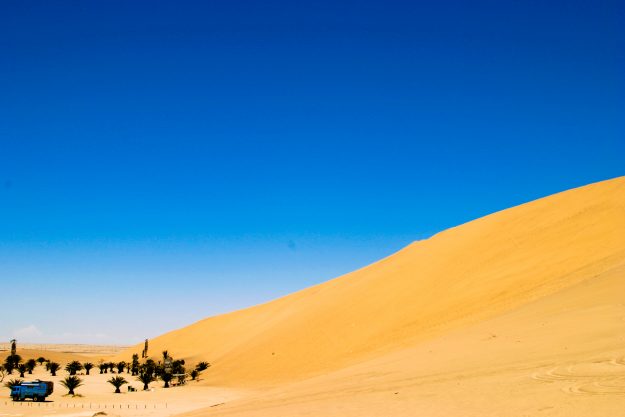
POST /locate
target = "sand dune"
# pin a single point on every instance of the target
(523, 307)
(562, 355)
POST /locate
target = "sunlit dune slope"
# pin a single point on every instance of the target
(459, 277)
(561, 355)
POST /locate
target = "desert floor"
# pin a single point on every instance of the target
(96, 395)
(519, 313)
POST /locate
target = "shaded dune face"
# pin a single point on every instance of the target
(460, 277)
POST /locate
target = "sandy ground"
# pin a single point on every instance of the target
(96, 395)
(520, 313)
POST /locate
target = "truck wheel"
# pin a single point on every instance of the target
(35, 398)
(15, 398)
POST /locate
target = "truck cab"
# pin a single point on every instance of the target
(37, 390)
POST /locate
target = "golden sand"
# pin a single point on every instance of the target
(520, 313)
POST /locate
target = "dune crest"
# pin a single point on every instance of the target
(460, 277)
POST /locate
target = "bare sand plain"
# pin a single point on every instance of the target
(520, 313)
(80, 349)
(96, 395)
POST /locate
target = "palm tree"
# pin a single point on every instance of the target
(41, 360)
(202, 366)
(146, 378)
(14, 359)
(120, 367)
(102, 367)
(53, 367)
(71, 383)
(87, 366)
(8, 368)
(111, 366)
(135, 364)
(117, 382)
(13, 382)
(30, 365)
(177, 367)
(166, 377)
(73, 367)
(150, 364)
(22, 368)
(11, 362)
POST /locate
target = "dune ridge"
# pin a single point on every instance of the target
(460, 276)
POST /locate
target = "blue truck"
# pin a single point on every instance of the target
(37, 390)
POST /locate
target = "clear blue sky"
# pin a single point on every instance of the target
(161, 161)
